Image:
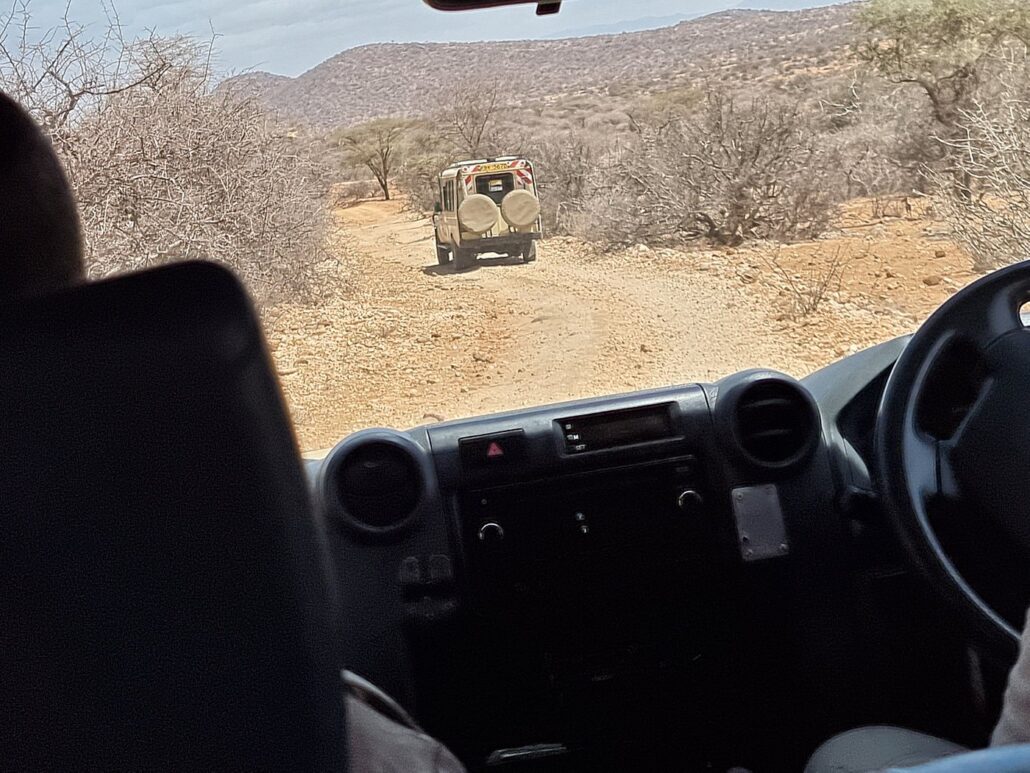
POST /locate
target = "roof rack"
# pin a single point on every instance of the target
(471, 161)
(468, 162)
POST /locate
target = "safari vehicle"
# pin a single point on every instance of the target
(688, 578)
(487, 205)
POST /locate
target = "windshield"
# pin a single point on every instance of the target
(446, 214)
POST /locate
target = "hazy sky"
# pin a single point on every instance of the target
(290, 36)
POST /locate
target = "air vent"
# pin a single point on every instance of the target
(774, 423)
(379, 485)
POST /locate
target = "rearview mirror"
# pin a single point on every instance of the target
(543, 7)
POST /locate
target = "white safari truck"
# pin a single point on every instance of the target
(487, 205)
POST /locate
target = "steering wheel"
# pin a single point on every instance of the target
(954, 426)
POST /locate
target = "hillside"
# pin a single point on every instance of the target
(258, 84)
(405, 78)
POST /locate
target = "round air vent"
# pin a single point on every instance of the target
(378, 483)
(775, 423)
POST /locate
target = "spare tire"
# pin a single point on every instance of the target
(477, 213)
(520, 208)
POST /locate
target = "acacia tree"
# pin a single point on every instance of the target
(469, 125)
(377, 146)
(943, 47)
(472, 122)
(470, 118)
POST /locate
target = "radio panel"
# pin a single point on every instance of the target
(618, 429)
(547, 549)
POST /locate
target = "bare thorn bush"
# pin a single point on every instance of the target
(727, 174)
(428, 152)
(166, 167)
(566, 165)
(986, 195)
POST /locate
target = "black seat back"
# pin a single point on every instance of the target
(165, 594)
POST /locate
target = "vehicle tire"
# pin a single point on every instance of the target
(464, 259)
(443, 254)
(477, 213)
(529, 253)
(520, 208)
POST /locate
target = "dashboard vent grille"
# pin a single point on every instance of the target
(378, 485)
(775, 423)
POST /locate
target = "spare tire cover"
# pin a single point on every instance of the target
(477, 213)
(520, 208)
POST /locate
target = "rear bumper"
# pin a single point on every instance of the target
(503, 243)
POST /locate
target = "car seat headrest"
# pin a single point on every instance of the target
(40, 241)
(165, 591)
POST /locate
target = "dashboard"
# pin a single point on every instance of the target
(525, 576)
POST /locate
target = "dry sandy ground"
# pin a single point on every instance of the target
(413, 343)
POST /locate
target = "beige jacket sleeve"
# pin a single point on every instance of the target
(1014, 723)
(382, 738)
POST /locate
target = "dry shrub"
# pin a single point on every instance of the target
(986, 194)
(428, 152)
(807, 291)
(565, 164)
(869, 142)
(164, 166)
(726, 174)
(651, 165)
(349, 192)
(883, 207)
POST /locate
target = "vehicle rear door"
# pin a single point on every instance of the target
(448, 220)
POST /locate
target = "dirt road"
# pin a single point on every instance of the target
(413, 342)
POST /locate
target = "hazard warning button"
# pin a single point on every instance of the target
(500, 449)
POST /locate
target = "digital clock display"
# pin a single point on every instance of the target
(618, 428)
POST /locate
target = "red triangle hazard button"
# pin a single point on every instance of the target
(498, 449)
